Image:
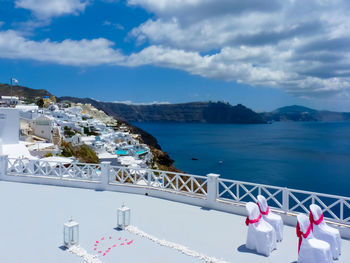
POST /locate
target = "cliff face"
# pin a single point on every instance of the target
(199, 112)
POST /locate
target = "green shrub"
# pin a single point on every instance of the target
(83, 152)
(49, 154)
(90, 133)
(68, 132)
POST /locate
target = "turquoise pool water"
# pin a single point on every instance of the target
(121, 152)
(141, 152)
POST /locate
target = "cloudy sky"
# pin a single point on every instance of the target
(264, 54)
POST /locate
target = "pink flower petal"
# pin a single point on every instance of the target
(102, 238)
(122, 244)
(99, 251)
(130, 242)
(114, 245)
(119, 238)
(97, 242)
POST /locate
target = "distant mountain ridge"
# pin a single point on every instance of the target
(301, 113)
(199, 112)
(195, 112)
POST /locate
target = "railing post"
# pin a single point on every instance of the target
(212, 189)
(3, 165)
(285, 199)
(31, 167)
(149, 177)
(105, 171)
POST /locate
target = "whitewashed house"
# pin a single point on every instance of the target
(9, 134)
(9, 125)
(43, 127)
(29, 112)
(75, 139)
(8, 100)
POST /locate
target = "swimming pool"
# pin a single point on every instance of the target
(121, 152)
(141, 152)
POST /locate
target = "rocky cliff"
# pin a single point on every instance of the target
(196, 112)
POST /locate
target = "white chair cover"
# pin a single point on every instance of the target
(261, 235)
(324, 232)
(312, 250)
(273, 219)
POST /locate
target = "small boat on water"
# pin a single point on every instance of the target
(194, 159)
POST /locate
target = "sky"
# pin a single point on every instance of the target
(263, 54)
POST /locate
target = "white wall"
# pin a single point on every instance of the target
(9, 125)
(43, 128)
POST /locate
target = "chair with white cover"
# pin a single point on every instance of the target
(273, 219)
(324, 232)
(261, 235)
(310, 249)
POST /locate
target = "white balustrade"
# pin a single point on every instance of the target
(80, 171)
(287, 201)
(213, 190)
(177, 182)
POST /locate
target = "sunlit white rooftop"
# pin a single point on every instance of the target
(31, 228)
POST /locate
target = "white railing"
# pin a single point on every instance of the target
(214, 192)
(177, 182)
(335, 208)
(81, 171)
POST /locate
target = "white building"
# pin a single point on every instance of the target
(9, 125)
(8, 100)
(29, 112)
(9, 134)
(43, 127)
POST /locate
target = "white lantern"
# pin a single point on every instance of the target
(71, 233)
(123, 216)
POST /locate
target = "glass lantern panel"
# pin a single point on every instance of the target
(75, 234)
(120, 218)
(127, 217)
(70, 235)
(66, 235)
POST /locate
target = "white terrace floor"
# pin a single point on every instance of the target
(32, 217)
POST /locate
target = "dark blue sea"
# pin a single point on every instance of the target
(313, 156)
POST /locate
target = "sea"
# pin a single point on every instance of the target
(312, 156)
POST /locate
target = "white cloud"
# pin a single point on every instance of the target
(230, 64)
(68, 52)
(114, 25)
(52, 8)
(302, 47)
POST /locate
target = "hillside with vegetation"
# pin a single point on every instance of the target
(22, 92)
